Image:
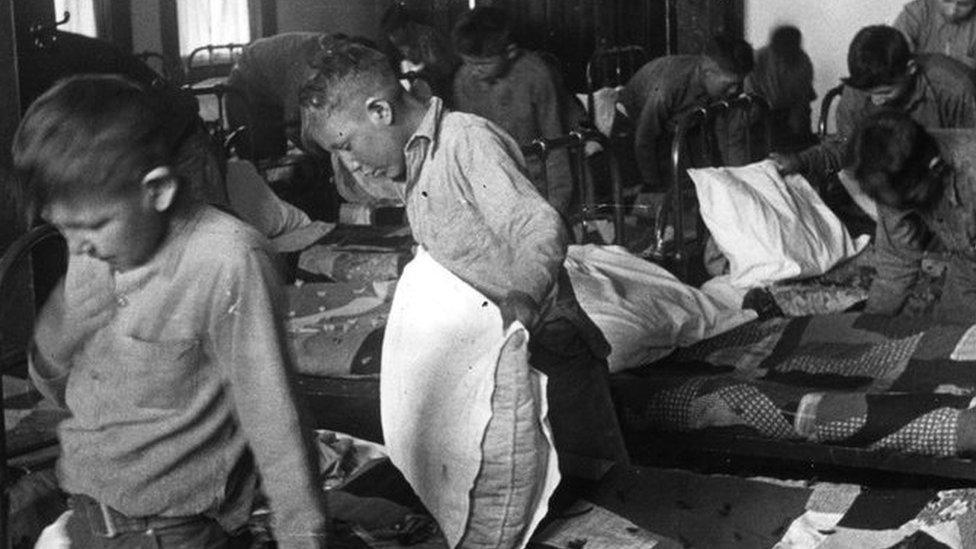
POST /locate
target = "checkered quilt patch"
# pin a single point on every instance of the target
(882, 362)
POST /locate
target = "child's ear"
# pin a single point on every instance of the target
(911, 68)
(160, 187)
(380, 111)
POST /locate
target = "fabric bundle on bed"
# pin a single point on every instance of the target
(854, 380)
(770, 228)
(641, 308)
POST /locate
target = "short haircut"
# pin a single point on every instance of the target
(347, 70)
(896, 161)
(482, 32)
(878, 56)
(90, 136)
(398, 17)
(731, 54)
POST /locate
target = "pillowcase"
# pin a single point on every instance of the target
(770, 228)
(642, 309)
(464, 416)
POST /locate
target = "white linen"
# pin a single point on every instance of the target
(642, 309)
(769, 227)
(443, 352)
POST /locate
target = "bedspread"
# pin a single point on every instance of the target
(904, 384)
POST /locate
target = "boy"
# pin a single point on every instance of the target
(266, 80)
(783, 74)
(925, 185)
(936, 91)
(420, 49)
(162, 339)
(471, 206)
(940, 26)
(515, 89)
(666, 88)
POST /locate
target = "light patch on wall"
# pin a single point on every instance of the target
(471, 4)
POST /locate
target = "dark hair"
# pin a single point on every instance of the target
(343, 68)
(786, 41)
(897, 162)
(482, 32)
(878, 56)
(730, 54)
(90, 135)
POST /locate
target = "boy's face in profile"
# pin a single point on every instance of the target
(363, 140)
(123, 231)
(720, 83)
(488, 68)
(956, 11)
(891, 95)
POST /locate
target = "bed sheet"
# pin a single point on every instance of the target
(355, 253)
(864, 381)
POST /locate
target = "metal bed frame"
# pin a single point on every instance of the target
(703, 119)
(12, 258)
(828, 99)
(611, 66)
(210, 68)
(575, 143)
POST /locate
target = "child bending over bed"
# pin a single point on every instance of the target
(925, 185)
(163, 339)
(471, 206)
(934, 90)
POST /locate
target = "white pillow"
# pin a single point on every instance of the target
(642, 309)
(770, 228)
(464, 416)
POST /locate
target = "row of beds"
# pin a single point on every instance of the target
(848, 392)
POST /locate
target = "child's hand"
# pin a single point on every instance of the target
(519, 306)
(72, 313)
(786, 163)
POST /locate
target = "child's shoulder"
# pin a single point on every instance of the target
(217, 238)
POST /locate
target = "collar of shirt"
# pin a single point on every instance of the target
(423, 142)
(922, 92)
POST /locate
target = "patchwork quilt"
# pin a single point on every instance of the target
(902, 384)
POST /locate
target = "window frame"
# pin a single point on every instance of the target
(262, 16)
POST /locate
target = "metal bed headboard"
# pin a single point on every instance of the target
(219, 59)
(756, 110)
(611, 66)
(575, 143)
(828, 100)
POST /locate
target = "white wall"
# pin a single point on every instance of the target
(827, 26)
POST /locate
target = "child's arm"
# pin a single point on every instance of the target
(909, 22)
(828, 157)
(80, 305)
(898, 248)
(248, 344)
(650, 125)
(531, 236)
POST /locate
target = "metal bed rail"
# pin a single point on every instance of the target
(218, 57)
(828, 99)
(12, 257)
(609, 67)
(575, 143)
(703, 119)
